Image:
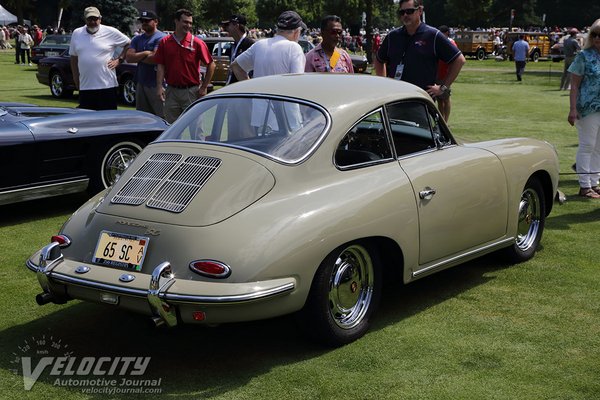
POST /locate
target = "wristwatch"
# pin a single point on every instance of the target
(444, 89)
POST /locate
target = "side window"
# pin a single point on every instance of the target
(439, 132)
(364, 143)
(409, 124)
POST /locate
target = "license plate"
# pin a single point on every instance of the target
(51, 53)
(121, 250)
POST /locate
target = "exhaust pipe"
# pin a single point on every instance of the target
(156, 322)
(44, 298)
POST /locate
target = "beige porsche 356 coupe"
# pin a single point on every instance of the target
(295, 194)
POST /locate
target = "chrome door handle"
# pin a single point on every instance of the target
(426, 194)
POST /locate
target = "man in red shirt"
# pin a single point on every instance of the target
(178, 58)
(36, 34)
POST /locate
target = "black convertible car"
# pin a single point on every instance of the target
(50, 151)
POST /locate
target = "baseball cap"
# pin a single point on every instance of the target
(289, 20)
(239, 19)
(91, 12)
(146, 14)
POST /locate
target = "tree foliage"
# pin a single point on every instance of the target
(166, 11)
(120, 14)
(215, 11)
(379, 13)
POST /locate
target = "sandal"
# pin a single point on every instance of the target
(589, 193)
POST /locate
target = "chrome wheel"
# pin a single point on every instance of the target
(57, 85)
(529, 219)
(351, 287)
(116, 160)
(129, 92)
(344, 294)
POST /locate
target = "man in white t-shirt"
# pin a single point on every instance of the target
(280, 54)
(92, 62)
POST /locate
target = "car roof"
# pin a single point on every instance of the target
(338, 93)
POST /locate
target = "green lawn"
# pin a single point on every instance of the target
(483, 330)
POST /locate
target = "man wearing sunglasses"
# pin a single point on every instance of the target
(327, 56)
(411, 53)
(92, 48)
(235, 26)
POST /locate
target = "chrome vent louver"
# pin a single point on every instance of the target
(146, 179)
(178, 190)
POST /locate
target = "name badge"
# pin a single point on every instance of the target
(399, 70)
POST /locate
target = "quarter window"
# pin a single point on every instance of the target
(366, 142)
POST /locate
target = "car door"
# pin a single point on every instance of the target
(460, 191)
(17, 155)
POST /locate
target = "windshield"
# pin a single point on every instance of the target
(283, 129)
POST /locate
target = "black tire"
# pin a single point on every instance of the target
(57, 86)
(112, 162)
(128, 91)
(535, 56)
(345, 293)
(480, 54)
(531, 222)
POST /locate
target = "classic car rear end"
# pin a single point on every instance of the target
(280, 195)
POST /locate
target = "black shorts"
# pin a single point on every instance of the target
(98, 99)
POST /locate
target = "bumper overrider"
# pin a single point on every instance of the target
(160, 294)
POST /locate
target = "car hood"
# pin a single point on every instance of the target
(187, 184)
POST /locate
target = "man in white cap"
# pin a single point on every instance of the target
(93, 63)
(280, 54)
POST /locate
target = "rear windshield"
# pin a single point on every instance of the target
(283, 129)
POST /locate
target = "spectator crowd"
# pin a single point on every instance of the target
(174, 69)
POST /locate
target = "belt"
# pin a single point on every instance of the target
(183, 86)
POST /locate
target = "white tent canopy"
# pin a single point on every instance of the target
(6, 17)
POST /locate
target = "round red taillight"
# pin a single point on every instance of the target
(62, 240)
(211, 268)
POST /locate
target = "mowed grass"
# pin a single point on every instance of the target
(482, 330)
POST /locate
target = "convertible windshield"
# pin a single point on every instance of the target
(283, 129)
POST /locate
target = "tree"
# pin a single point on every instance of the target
(120, 14)
(215, 11)
(166, 12)
(468, 13)
(525, 13)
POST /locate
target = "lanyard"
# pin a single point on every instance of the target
(233, 55)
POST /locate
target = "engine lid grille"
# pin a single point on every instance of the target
(178, 190)
(146, 179)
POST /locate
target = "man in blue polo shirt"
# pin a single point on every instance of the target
(141, 51)
(411, 53)
(520, 50)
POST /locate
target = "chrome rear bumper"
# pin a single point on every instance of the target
(162, 302)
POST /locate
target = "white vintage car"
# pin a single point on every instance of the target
(298, 194)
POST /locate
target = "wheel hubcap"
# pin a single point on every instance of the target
(351, 287)
(118, 162)
(57, 85)
(529, 219)
(129, 92)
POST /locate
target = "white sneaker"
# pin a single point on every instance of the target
(30, 64)
(22, 64)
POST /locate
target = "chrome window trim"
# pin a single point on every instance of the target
(297, 161)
